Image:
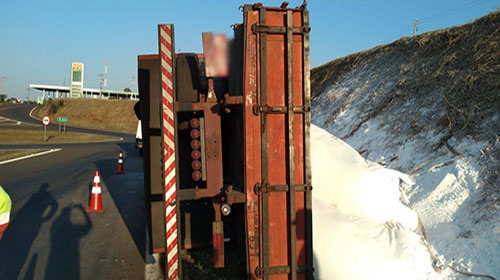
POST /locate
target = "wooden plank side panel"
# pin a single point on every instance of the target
(277, 150)
(275, 74)
(277, 145)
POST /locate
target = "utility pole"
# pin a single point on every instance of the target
(415, 27)
(106, 74)
(28, 92)
(101, 76)
(1, 79)
(133, 83)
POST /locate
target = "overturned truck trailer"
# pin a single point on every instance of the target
(226, 145)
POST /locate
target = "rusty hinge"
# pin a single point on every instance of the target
(279, 109)
(263, 271)
(258, 28)
(266, 188)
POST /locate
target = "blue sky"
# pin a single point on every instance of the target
(40, 39)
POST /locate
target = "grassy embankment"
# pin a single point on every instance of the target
(10, 154)
(460, 65)
(6, 104)
(446, 81)
(110, 115)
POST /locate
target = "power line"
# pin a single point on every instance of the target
(455, 10)
(440, 15)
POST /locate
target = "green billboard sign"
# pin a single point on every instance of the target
(62, 119)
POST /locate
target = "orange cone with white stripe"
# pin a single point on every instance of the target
(119, 167)
(95, 204)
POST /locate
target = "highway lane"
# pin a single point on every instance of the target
(50, 236)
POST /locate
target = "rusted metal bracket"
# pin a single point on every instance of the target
(279, 109)
(228, 101)
(218, 237)
(233, 196)
(283, 7)
(232, 100)
(258, 28)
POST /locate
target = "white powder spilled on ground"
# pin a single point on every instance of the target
(361, 228)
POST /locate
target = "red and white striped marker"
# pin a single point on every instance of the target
(167, 91)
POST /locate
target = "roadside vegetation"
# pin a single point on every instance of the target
(5, 104)
(24, 136)
(109, 115)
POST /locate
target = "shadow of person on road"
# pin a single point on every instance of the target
(22, 231)
(65, 235)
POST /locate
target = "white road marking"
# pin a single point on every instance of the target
(14, 122)
(7, 121)
(30, 156)
(31, 112)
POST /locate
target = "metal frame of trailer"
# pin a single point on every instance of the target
(237, 140)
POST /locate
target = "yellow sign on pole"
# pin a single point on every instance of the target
(76, 88)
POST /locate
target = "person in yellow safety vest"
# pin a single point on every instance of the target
(5, 206)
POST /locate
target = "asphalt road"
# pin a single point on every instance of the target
(50, 236)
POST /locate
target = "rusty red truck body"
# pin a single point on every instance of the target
(226, 145)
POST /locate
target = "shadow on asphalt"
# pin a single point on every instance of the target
(65, 233)
(127, 192)
(25, 226)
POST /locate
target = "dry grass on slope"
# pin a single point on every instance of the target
(462, 63)
(112, 115)
(446, 80)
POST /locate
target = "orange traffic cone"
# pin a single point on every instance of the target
(95, 204)
(119, 167)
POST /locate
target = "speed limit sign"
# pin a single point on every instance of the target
(46, 120)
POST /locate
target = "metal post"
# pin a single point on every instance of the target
(415, 27)
(307, 145)
(59, 127)
(264, 204)
(44, 133)
(64, 127)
